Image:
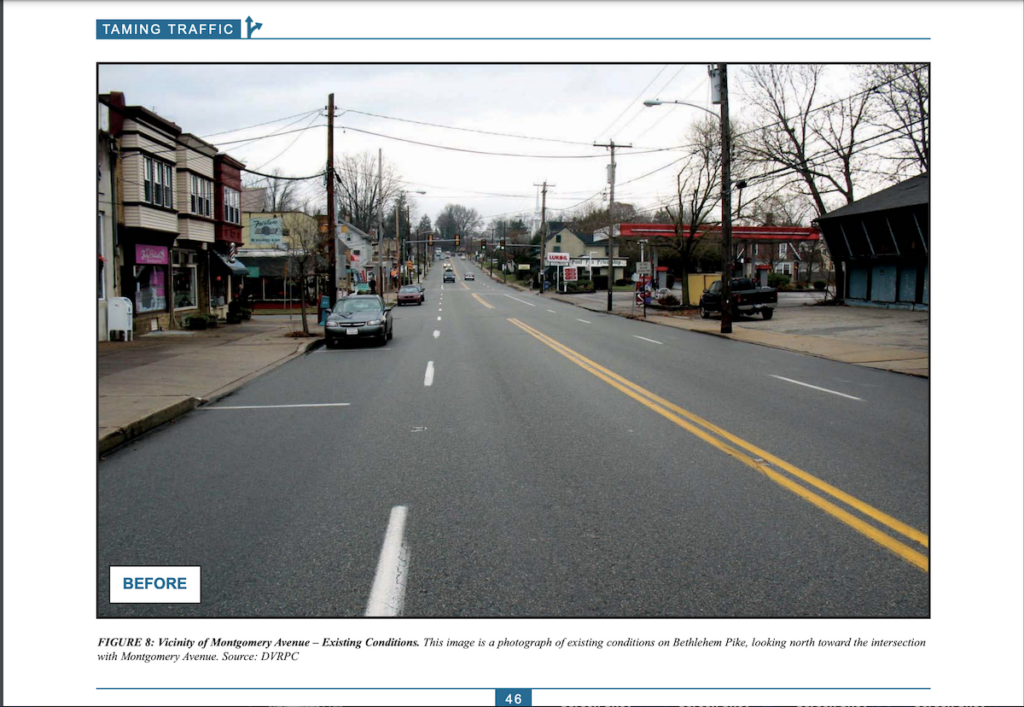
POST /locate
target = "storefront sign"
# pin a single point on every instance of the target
(150, 255)
(252, 271)
(597, 262)
(265, 231)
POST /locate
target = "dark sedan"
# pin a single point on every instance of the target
(359, 317)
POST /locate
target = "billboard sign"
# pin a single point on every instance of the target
(266, 232)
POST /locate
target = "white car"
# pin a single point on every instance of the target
(469, 276)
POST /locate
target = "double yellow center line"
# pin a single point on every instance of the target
(757, 458)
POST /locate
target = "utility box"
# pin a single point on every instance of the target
(119, 317)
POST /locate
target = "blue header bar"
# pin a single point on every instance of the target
(169, 29)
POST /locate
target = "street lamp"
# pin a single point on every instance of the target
(720, 91)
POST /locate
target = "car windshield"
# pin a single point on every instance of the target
(355, 305)
(410, 289)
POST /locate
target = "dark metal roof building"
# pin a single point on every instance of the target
(881, 242)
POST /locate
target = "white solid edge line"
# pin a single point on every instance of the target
(646, 339)
(824, 390)
(583, 320)
(428, 377)
(261, 407)
(388, 593)
(519, 300)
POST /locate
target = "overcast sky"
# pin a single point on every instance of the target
(578, 103)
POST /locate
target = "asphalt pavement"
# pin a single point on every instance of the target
(545, 461)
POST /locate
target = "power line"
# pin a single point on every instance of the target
(260, 125)
(465, 130)
(497, 154)
(290, 145)
(630, 104)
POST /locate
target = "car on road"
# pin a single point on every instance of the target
(411, 294)
(747, 298)
(359, 317)
(469, 276)
(449, 276)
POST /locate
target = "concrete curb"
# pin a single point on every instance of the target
(123, 435)
(733, 337)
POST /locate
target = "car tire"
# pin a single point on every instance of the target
(331, 344)
(704, 313)
(767, 313)
(391, 334)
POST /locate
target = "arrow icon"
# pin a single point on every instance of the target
(250, 27)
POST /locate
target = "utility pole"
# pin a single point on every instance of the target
(611, 218)
(380, 222)
(723, 99)
(332, 256)
(504, 256)
(543, 228)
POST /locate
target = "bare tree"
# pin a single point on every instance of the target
(305, 247)
(698, 194)
(819, 146)
(281, 193)
(904, 95)
(360, 193)
(457, 219)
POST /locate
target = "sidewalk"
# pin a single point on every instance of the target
(160, 376)
(889, 339)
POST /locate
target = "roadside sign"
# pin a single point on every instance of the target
(643, 268)
(635, 278)
(524, 266)
(558, 258)
(570, 274)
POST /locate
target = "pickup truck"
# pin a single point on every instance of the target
(747, 298)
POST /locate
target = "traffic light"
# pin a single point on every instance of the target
(430, 240)
(456, 240)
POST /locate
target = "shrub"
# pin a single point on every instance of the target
(778, 280)
(600, 282)
(623, 281)
(819, 285)
(668, 300)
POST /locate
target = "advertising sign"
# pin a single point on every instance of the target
(524, 266)
(266, 232)
(557, 258)
(570, 274)
(150, 255)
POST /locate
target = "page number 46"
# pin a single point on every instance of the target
(513, 698)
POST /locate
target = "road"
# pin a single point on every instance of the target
(507, 455)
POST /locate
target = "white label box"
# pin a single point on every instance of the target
(155, 584)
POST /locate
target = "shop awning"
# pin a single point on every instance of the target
(236, 267)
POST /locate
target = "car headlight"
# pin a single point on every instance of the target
(375, 322)
(333, 324)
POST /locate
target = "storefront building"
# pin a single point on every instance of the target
(106, 206)
(227, 274)
(190, 256)
(147, 216)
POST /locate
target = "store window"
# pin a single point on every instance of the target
(157, 183)
(150, 288)
(184, 280)
(200, 196)
(232, 206)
